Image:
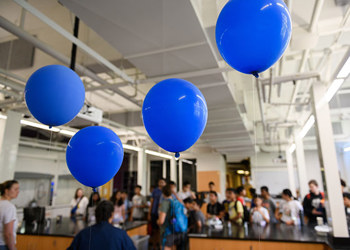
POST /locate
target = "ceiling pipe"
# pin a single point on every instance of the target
(271, 83)
(289, 78)
(10, 27)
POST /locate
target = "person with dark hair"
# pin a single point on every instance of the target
(127, 204)
(214, 208)
(8, 215)
(186, 192)
(90, 210)
(102, 235)
(78, 210)
(343, 185)
(138, 205)
(119, 207)
(168, 236)
(269, 203)
(236, 209)
(153, 212)
(346, 197)
(227, 201)
(313, 204)
(291, 209)
(188, 202)
(259, 214)
(211, 185)
(241, 194)
(173, 190)
(199, 217)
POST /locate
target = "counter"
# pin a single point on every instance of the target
(251, 237)
(60, 235)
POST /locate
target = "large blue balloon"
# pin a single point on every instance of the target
(94, 155)
(252, 35)
(175, 114)
(54, 95)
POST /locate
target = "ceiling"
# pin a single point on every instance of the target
(158, 39)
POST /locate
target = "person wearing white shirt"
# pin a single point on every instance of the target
(8, 216)
(78, 210)
(186, 192)
(212, 188)
(259, 214)
(290, 209)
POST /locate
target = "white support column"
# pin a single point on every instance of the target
(180, 175)
(328, 160)
(290, 168)
(142, 171)
(164, 169)
(9, 146)
(173, 169)
(300, 157)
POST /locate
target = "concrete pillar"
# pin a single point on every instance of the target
(300, 157)
(9, 146)
(290, 168)
(328, 161)
(164, 168)
(173, 172)
(180, 175)
(142, 171)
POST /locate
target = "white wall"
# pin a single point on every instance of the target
(210, 161)
(267, 173)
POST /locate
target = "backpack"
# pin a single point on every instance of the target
(178, 219)
(246, 214)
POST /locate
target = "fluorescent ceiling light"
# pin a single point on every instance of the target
(336, 84)
(347, 149)
(38, 125)
(292, 148)
(150, 152)
(345, 70)
(310, 122)
(3, 116)
(126, 146)
(246, 172)
(67, 132)
(240, 171)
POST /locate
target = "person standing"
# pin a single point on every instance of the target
(199, 217)
(78, 210)
(313, 204)
(119, 207)
(186, 192)
(236, 209)
(102, 235)
(153, 213)
(290, 210)
(90, 211)
(214, 208)
(241, 194)
(127, 205)
(8, 216)
(268, 203)
(138, 204)
(259, 214)
(211, 186)
(346, 197)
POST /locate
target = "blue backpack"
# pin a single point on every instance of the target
(178, 219)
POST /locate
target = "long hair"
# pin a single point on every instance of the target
(6, 185)
(116, 201)
(93, 203)
(76, 193)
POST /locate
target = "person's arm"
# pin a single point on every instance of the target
(266, 216)
(8, 235)
(150, 210)
(123, 212)
(161, 218)
(239, 211)
(193, 195)
(131, 210)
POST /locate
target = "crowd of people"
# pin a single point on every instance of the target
(173, 214)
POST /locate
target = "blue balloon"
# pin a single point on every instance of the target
(94, 155)
(54, 95)
(175, 114)
(252, 35)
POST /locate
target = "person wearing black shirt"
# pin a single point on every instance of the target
(214, 208)
(103, 235)
(314, 204)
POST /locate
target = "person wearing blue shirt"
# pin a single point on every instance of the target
(102, 235)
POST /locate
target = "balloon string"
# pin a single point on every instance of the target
(177, 155)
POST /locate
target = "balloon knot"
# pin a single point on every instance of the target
(94, 190)
(255, 74)
(50, 127)
(177, 155)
